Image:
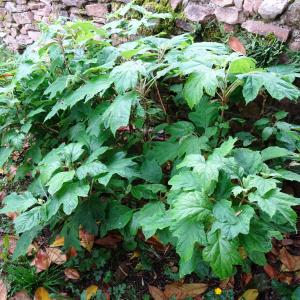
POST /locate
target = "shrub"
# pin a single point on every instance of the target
(139, 137)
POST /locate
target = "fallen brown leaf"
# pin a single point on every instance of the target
(3, 290)
(250, 294)
(289, 262)
(156, 293)
(71, 252)
(91, 291)
(271, 271)
(236, 45)
(41, 261)
(56, 256)
(72, 273)
(184, 290)
(59, 242)
(109, 241)
(86, 239)
(41, 294)
(22, 295)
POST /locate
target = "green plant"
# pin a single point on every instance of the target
(22, 276)
(138, 136)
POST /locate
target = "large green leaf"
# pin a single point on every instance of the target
(57, 181)
(232, 222)
(126, 76)
(58, 86)
(117, 217)
(4, 155)
(69, 193)
(275, 152)
(118, 113)
(120, 165)
(277, 205)
(191, 205)
(249, 160)
(188, 233)
(150, 218)
(18, 202)
(221, 254)
(91, 169)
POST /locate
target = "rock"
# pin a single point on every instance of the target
(262, 28)
(295, 46)
(229, 15)
(182, 24)
(96, 10)
(228, 27)
(270, 9)
(239, 3)
(198, 13)
(175, 4)
(10, 7)
(292, 15)
(34, 35)
(77, 3)
(23, 18)
(222, 3)
(251, 7)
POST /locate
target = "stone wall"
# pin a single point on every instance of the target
(19, 18)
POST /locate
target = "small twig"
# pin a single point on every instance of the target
(160, 99)
(123, 271)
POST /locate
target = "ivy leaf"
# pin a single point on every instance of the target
(120, 165)
(18, 202)
(277, 205)
(118, 113)
(275, 152)
(221, 254)
(91, 169)
(231, 222)
(57, 181)
(188, 233)
(191, 205)
(147, 191)
(58, 86)
(126, 76)
(69, 193)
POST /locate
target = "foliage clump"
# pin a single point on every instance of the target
(138, 137)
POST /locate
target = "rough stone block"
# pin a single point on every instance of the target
(198, 13)
(262, 28)
(270, 9)
(97, 10)
(229, 15)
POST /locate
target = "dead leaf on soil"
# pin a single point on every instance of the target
(110, 241)
(271, 271)
(156, 293)
(289, 262)
(86, 240)
(236, 45)
(71, 252)
(3, 290)
(41, 294)
(251, 294)
(184, 290)
(41, 261)
(56, 256)
(22, 295)
(156, 243)
(91, 291)
(59, 242)
(72, 273)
